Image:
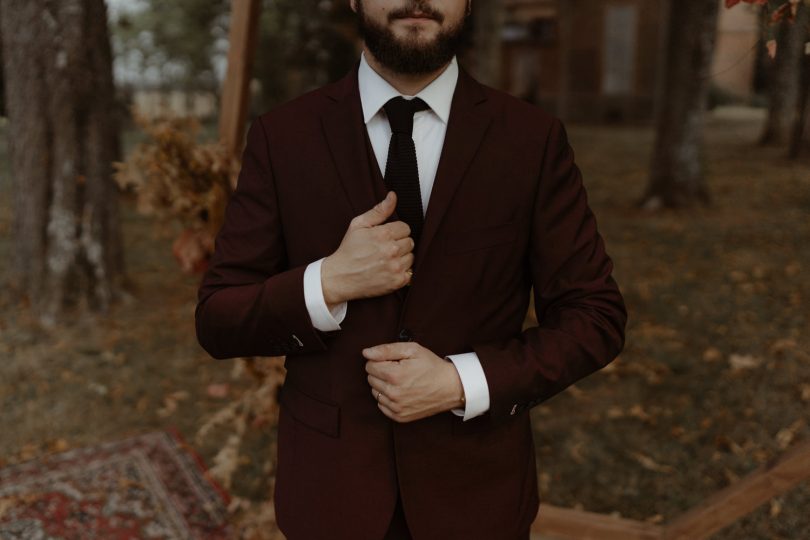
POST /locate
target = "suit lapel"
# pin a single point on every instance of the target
(344, 128)
(466, 126)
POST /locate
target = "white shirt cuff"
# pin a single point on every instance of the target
(322, 318)
(476, 389)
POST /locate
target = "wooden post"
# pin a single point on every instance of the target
(741, 498)
(568, 524)
(699, 523)
(234, 107)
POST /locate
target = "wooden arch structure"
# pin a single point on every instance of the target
(718, 512)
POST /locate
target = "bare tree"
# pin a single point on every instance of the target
(677, 173)
(799, 141)
(63, 138)
(485, 54)
(783, 78)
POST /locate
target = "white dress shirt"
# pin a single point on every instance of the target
(429, 128)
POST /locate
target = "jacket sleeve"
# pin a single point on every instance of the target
(580, 310)
(250, 302)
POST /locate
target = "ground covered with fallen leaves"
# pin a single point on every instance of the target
(714, 380)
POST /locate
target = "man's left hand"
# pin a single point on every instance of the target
(413, 382)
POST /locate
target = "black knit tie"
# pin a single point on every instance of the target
(401, 172)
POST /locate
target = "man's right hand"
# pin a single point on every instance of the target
(372, 258)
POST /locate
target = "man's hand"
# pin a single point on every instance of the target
(412, 381)
(372, 258)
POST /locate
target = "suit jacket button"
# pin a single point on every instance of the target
(405, 335)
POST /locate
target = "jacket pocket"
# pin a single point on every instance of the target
(313, 412)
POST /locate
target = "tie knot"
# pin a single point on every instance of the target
(400, 113)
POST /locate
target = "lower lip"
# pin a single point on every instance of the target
(416, 19)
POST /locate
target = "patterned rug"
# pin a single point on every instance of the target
(150, 486)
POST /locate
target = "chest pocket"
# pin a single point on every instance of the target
(481, 237)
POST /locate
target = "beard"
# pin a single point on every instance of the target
(410, 55)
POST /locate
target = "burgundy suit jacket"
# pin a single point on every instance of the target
(508, 213)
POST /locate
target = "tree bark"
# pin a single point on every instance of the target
(565, 18)
(63, 137)
(783, 78)
(800, 118)
(484, 57)
(677, 171)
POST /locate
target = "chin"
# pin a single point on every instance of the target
(414, 34)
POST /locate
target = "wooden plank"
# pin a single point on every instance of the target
(565, 523)
(730, 504)
(244, 27)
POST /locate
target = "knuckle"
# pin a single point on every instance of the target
(383, 232)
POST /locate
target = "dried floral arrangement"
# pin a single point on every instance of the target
(255, 408)
(176, 178)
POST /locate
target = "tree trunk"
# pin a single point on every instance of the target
(565, 18)
(800, 118)
(783, 78)
(63, 138)
(484, 57)
(677, 175)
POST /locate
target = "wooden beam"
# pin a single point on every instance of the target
(730, 504)
(244, 27)
(565, 523)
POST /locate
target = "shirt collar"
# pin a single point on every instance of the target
(376, 91)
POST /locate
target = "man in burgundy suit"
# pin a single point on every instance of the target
(384, 236)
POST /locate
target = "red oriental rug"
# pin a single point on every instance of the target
(149, 486)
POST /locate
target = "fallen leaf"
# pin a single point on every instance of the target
(743, 361)
(712, 354)
(780, 346)
(218, 390)
(637, 411)
(805, 392)
(650, 464)
(786, 435)
(776, 507)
